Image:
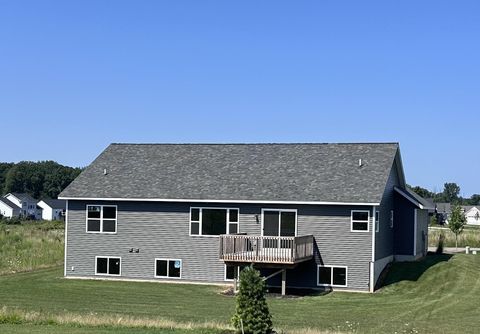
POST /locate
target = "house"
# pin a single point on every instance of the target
(443, 211)
(52, 209)
(325, 216)
(26, 205)
(472, 214)
(8, 209)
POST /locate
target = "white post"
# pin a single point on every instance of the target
(467, 250)
(284, 281)
(235, 279)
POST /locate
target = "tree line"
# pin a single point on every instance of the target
(450, 194)
(42, 179)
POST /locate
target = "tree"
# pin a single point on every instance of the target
(425, 193)
(251, 312)
(451, 192)
(43, 179)
(474, 199)
(457, 221)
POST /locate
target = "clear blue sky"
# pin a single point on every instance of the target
(78, 75)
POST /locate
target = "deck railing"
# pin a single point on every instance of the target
(262, 249)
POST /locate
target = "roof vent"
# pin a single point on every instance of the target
(105, 171)
(360, 163)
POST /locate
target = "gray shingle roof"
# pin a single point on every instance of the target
(9, 203)
(55, 203)
(229, 172)
(24, 197)
(443, 207)
(422, 202)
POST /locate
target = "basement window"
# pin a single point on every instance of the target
(168, 268)
(335, 276)
(213, 221)
(107, 266)
(101, 219)
(359, 220)
(230, 272)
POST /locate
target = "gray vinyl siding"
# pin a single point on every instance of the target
(422, 232)
(161, 230)
(384, 244)
(404, 225)
(335, 245)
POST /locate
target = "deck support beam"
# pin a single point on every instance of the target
(284, 281)
(235, 279)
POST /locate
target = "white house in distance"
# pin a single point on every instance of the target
(26, 203)
(52, 209)
(8, 208)
(472, 213)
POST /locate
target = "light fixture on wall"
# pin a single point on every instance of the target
(257, 219)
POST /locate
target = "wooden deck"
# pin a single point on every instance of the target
(236, 248)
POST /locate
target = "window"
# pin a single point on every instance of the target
(230, 272)
(107, 266)
(377, 221)
(168, 268)
(233, 221)
(391, 218)
(332, 276)
(101, 218)
(359, 220)
(279, 223)
(213, 221)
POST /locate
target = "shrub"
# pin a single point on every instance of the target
(252, 312)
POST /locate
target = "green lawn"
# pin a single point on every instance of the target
(437, 295)
(62, 329)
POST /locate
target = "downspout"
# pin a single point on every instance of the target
(372, 262)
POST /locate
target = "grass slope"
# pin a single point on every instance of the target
(30, 245)
(436, 295)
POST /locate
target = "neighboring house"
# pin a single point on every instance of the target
(443, 211)
(52, 209)
(8, 209)
(326, 216)
(26, 203)
(472, 213)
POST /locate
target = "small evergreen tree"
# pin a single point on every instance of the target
(251, 311)
(456, 222)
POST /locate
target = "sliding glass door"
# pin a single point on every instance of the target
(278, 223)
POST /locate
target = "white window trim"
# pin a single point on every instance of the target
(200, 217)
(377, 221)
(331, 276)
(108, 265)
(391, 218)
(168, 268)
(101, 218)
(279, 217)
(360, 221)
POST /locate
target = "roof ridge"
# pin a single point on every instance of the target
(246, 144)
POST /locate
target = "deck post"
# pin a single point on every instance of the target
(235, 279)
(284, 281)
